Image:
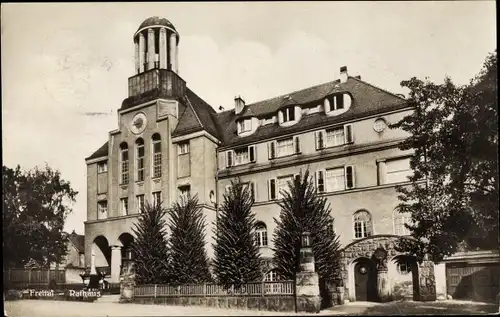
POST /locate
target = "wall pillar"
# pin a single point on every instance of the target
(173, 49)
(151, 49)
(163, 48)
(116, 262)
(136, 51)
(142, 51)
(93, 271)
(382, 172)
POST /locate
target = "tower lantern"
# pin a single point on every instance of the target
(156, 43)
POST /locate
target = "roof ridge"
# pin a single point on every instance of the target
(295, 91)
(377, 87)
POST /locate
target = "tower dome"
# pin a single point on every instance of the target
(157, 22)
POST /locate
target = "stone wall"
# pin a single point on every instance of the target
(270, 303)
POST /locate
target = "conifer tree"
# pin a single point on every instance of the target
(302, 209)
(237, 258)
(150, 249)
(189, 261)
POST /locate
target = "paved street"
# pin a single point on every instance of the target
(42, 308)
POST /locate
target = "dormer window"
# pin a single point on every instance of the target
(288, 114)
(244, 125)
(337, 104)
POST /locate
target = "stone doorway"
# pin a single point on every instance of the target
(365, 280)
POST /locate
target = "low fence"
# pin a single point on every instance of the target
(275, 296)
(37, 277)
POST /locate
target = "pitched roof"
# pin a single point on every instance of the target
(102, 151)
(367, 100)
(198, 116)
(78, 241)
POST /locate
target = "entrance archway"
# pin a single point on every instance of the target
(365, 280)
(102, 251)
(126, 240)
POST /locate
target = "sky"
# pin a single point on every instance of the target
(65, 66)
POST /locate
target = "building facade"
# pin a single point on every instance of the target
(170, 142)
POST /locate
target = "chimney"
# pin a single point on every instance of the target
(239, 105)
(343, 74)
(358, 77)
(221, 108)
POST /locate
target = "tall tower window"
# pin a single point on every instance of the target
(124, 164)
(139, 144)
(156, 142)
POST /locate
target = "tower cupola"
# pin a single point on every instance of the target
(156, 45)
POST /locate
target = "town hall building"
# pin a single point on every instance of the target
(170, 143)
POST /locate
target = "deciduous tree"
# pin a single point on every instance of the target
(36, 204)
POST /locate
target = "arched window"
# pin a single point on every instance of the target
(156, 145)
(362, 224)
(271, 276)
(139, 145)
(400, 219)
(124, 164)
(261, 234)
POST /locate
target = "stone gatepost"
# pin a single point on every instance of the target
(426, 280)
(127, 284)
(307, 294)
(383, 285)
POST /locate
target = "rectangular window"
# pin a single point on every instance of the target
(288, 114)
(285, 147)
(102, 209)
(124, 206)
(244, 125)
(140, 203)
(335, 179)
(360, 229)
(283, 185)
(335, 137)
(398, 170)
(183, 148)
(140, 163)
(184, 192)
(102, 167)
(124, 167)
(251, 153)
(157, 159)
(156, 198)
(296, 144)
(241, 156)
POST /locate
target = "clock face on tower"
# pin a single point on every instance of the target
(138, 123)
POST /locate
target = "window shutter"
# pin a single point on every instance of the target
(229, 158)
(271, 149)
(297, 144)
(348, 133)
(349, 177)
(272, 189)
(252, 190)
(319, 136)
(251, 153)
(320, 181)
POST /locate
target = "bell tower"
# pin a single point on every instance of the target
(156, 76)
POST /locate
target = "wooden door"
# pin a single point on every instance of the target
(365, 279)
